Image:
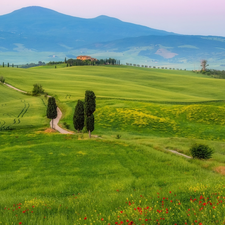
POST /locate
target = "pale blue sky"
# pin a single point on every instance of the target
(203, 17)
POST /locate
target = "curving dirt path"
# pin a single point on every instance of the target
(178, 153)
(55, 121)
(15, 88)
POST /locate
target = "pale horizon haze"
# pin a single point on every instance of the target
(192, 17)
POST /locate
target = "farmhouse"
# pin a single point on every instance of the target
(85, 57)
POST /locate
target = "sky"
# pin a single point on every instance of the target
(193, 17)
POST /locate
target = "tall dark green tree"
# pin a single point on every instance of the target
(78, 117)
(3, 64)
(52, 109)
(89, 109)
(8, 64)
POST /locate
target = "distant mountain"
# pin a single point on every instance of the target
(34, 33)
(171, 48)
(44, 29)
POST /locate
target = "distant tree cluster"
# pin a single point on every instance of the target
(78, 62)
(210, 72)
(8, 65)
(214, 73)
(29, 65)
(54, 63)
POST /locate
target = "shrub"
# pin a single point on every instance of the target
(2, 79)
(201, 151)
(118, 136)
(67, 126)
(37, 89)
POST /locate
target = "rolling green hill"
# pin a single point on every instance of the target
(50, 178)
(118, 82)
(19, 111)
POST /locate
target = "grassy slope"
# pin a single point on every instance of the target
(118, 82)
(64, 179)
(46, 171)
(19, 110)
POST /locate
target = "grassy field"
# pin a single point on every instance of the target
(20, 111)
(49, 178)
(118, 82)
(58, 179)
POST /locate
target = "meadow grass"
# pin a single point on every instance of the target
(20, 111)
(48, 178)
(70, 83)
(58, 179)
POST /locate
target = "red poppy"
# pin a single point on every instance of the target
(20, 222)
(116, 222)
(102, 219)
(121, 211)
(196, 221)
(127, 220)
(85, 218)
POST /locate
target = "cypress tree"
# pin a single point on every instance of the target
(51, 109)
(3, 64)
(8, 64)
(78, 117)
(89, 108)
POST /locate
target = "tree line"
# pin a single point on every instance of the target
(214, 73)
(78, 62)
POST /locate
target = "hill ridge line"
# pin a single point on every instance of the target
(162, 102)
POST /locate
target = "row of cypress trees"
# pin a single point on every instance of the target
(83, 114)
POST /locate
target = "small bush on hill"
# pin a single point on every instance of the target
(201, 151)
(37, 89)
(118, 136)
(2, 79)
(67, 126)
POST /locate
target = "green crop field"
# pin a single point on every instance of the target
(118, 82)
(20, 111)
(50, 178)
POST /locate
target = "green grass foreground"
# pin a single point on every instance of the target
(49, 178)
(58, 179)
